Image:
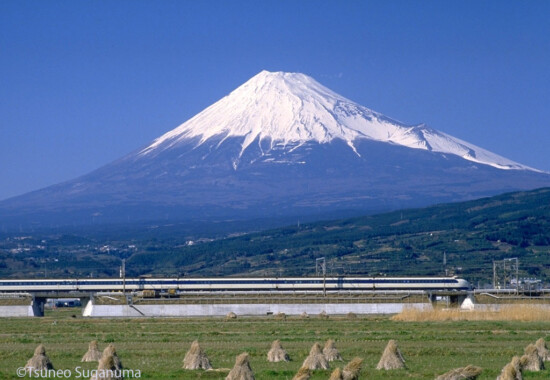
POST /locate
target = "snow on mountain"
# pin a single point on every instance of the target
(280, 146)
(291, 109)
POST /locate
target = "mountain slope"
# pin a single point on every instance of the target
(281, 145)
(406, 242)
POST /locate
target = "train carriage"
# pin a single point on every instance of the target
(231, 284)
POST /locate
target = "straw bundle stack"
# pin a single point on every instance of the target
(230, 315)
(107, 369)
(330, 351)
(316, 359)
(352, 369)
(336, 374)
(277, 353)
(533, 361)
(93, 354)
(391, 358)
(40, 360)
(110, 350)
(469, 372)
(302, 374)
(196, 358)
(512, 370)
(544, 353)
(241, 370)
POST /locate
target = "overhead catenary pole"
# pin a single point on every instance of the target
(324, 279)
(321, 262)
(517, 276)
(123, 274)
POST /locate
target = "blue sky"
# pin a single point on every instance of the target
(83, 83)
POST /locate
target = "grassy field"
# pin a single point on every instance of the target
(157, 346)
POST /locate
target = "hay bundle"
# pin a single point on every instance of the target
(336, 374)
(544, 353)
(512, 370)
(330, 351)
(509, 372)
(241, 370)
(316, 359)
(465, 373)
(302, 374)
(533, 361)
(195, 358)
(304, 315)
(107, 369)
(352, 369)
(110, 350)
(351, 315)
(323, 315)
(93, 354)
(277, 353)
(230, 315)
(40, 360)
(280, 316)
(391, 358)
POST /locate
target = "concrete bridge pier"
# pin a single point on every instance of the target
(449, 299)
(37, 307)
(23, 307)
(469, 302)
(457, 300)
(85, 300)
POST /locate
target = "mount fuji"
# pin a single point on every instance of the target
(280, 145)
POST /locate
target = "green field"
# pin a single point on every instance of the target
(157, 346)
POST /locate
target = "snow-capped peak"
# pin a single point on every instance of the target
(292, 109)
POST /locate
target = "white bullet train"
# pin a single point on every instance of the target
(252, 284)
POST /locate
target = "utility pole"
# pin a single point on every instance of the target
(321, 263)
(123, 275)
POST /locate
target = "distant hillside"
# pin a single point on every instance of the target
(408, 242)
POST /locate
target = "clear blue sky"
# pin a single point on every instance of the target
(85, 82)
